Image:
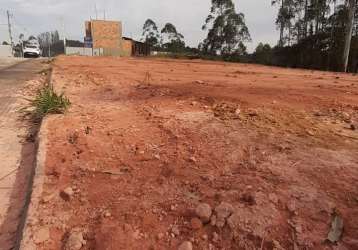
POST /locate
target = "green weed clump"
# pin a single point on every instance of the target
(47, 101)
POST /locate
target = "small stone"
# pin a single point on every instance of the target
(205, 237)
(160, 236)
(213, 220)
(175, 230)
(203, 211)
(310, 132)
(252, 112)
(46, 198)
(186, 245)
(196, 223)
(194, 103)
(223, 211)
(298, 229)
(238, 111)
(346, 116)
(107, 214)
(199, 82)
(157, 157)
(291, 206)
(192, 159)
(136, 235)
(42, 235)
(277, 245)
(215, 237)
(353, 127)
(75, 241)
(66, 194)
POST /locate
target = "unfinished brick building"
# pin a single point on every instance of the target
(106, 39)
(105, 35)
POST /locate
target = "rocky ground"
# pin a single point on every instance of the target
(175, 154)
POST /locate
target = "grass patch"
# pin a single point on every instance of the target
(47, 101)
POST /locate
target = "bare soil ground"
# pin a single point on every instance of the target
(147, 140)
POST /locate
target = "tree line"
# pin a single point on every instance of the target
(319, 34)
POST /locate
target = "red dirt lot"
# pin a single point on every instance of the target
(148, 140)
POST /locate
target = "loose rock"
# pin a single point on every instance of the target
(213, 220)
(160, 236)
(186, 245)
(75, 241)
(196, 223)
(66, 194)
(175, 230)
(215, 237)
(223, 211)
(204, 211)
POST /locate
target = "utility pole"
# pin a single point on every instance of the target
(10, 34)
(352, 5)
(64, 34)
(95, 9)
(49, 45)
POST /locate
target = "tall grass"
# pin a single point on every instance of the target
(47, 101)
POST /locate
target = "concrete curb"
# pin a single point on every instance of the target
(37, 188)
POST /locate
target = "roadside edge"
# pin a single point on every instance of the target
(26, 242)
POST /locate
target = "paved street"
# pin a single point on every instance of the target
(12, 131)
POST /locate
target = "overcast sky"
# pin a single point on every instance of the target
(35, 16)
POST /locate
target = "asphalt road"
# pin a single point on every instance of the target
(16, 156)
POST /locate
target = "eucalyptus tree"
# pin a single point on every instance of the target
(227, 30)
(172, 40)
(352, 8)
(325, 27)
(151, 33)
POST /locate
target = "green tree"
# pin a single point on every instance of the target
(172, 40)
(263, 54)
(352, 7)
(150, 33)
(227, 30)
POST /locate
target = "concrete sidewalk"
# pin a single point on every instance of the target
(10, 61)
(13, 134)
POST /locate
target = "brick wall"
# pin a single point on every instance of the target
(127, 47)
(106, 34)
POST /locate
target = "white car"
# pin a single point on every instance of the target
(32, 51)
